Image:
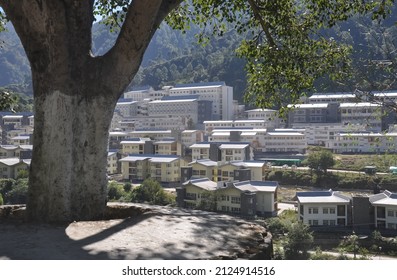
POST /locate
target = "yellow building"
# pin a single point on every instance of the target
(163, 168)
(247, 198)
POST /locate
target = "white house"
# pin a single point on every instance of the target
(385, 205)
(323, 208)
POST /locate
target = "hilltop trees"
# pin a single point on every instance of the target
(75, 93)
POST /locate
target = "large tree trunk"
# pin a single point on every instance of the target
(74, 98)
(68, 172)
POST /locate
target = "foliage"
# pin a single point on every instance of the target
(320, 160)
(23, 174)
(150, 191)
(298, 241)
(6, 185)
(319, 255)
(127, 187)
(7, 100)
(207, 201)
(1, 200)
(115, 191)
(18, 194)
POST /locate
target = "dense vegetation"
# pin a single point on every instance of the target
(174, 57)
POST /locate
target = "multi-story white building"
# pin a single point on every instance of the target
(364, 142)
(323, 208)
(322, 133)
(285, 141)
(256, 137)
(127, 108)
(152, 134)
(187, 108)
(385, 205)
(164, 123)
(209, 126)
(190, 137)
(365, 113)
(217, 92)
(332, 97)
(235, 152)
(140, 94)
(200, 151)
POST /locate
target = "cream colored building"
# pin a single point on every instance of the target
(112, 163)
(324, 208)
(163, 168)
(247, 198)
(385, 205)
(9, 167)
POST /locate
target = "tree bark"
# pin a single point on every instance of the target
(74, 98)
(68, 171)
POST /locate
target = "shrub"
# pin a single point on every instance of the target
(19, 193)
(1, 199)
(115, 191)
(151, 191)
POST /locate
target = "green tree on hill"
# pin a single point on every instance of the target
(320, 160)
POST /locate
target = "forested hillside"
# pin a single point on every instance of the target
(174, 58)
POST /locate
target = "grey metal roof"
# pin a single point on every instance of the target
(257, 186)
(386, 198)
(203, 183)
(322, 197)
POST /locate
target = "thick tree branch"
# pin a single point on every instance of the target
(265, 27)
(142, 20)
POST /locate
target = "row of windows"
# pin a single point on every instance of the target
(325, 210)
(324, 222)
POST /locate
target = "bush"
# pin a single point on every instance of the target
(1, 199)
(150, 191)
(115, 191)
(19, 193)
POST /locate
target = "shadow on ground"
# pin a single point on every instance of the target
(157, 233)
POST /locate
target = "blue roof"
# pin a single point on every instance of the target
(200, 84)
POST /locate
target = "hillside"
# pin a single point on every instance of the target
(173, 57)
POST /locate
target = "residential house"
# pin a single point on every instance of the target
(385, 211)
(324, 208)
(112, 167)
(248, 198)
(10, 167)
(163, 168)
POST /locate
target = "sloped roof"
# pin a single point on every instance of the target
(386, 198)
(329, 196)
(257, 186)
(203, 183)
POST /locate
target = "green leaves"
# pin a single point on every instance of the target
(286, 48)
(7, 100)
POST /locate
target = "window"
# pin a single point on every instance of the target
(313, 210)
(332, 222)
(235, 200)
(325, 211)
(390, 213)
(315, 222)
(325, 223)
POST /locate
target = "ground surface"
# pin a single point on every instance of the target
(157, 233)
